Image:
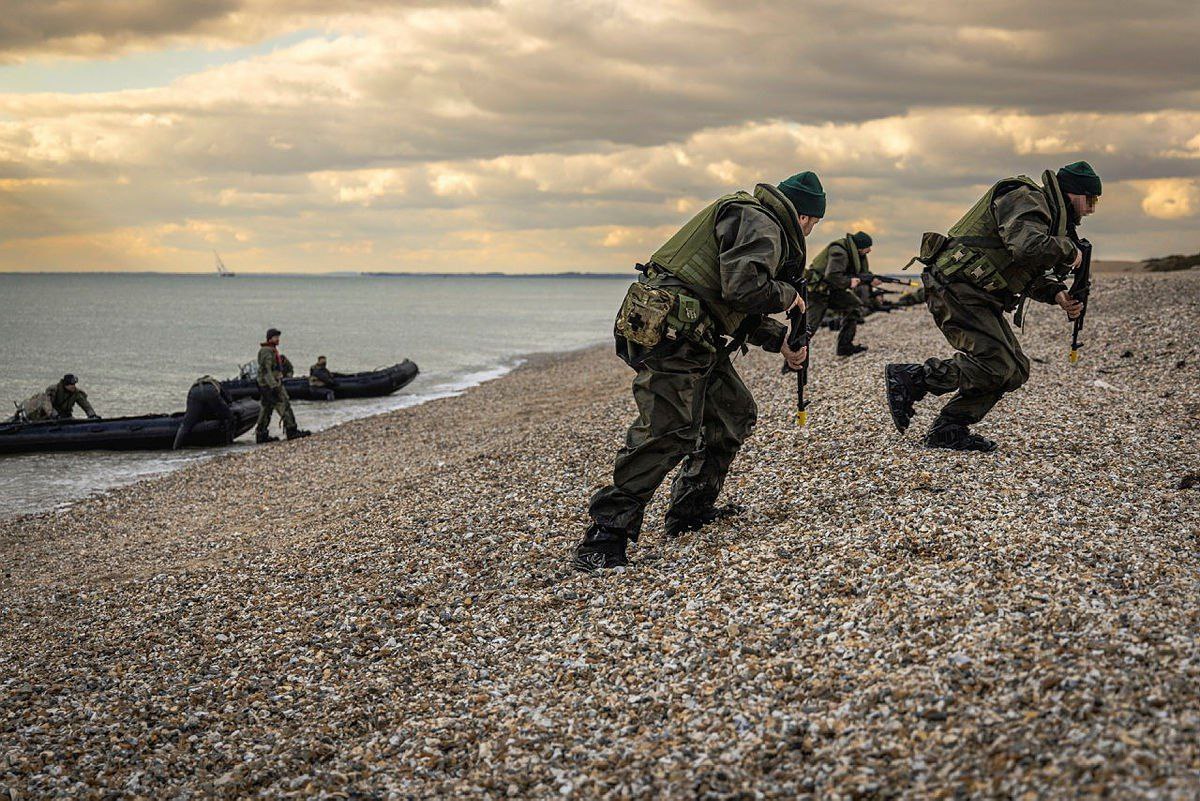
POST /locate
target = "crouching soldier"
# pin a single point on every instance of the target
(57, 401)
(272, 393)
(1017, 242)
(206, 400)
(833, 281)
(702, 295)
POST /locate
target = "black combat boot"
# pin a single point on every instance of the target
(263, 437)
(297, 433)
(955, 437)
(678, 526)
(601, 548)
(905, 386)
(852, 350)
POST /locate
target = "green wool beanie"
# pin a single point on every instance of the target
(1079, 179)
(806, 193)
(862, 240)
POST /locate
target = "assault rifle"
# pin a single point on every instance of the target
(868, 278)
(797, 338)
(1081, 288)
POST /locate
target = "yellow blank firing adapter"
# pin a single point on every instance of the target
(801, 418)
(1074, 356)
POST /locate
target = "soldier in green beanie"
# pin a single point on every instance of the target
(702, 295)
(1017, 242)
(833, 280)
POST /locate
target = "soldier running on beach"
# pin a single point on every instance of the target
(272, 393)
(1017, 242)
(702, 295)
(832, 278)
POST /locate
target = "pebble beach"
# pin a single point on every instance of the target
(386, 610)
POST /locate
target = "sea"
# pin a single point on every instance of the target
(137, 342)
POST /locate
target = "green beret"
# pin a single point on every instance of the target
(806, 193)
(1079, 179)
(862, 240)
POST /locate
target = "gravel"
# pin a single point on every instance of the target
(385, 609)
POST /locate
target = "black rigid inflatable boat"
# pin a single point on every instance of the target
(369, 384)
(149, 432)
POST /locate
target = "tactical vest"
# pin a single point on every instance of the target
(692, 255)
(975, 250)
(815, 277)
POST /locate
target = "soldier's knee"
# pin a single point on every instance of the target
(1016, 377)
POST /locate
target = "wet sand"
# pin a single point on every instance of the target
(385, 609)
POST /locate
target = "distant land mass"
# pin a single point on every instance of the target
(1166, 264)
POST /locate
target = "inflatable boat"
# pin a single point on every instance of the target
(149, 432)
(371, 384)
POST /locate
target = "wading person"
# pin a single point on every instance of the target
(701, 296)
(272, 393)
(206, 400)
(833, 280)
(1017, 242)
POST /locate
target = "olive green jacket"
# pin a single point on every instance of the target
(64, 401)
(838, 267)
(1023, 218)
(270, 373)
(751, 244)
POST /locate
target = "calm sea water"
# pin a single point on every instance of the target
(137, 342)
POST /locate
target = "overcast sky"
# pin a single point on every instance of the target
(554, 135)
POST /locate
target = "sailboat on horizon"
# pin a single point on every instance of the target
(222, 270)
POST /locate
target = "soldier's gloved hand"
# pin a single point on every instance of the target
(795, 358)
(1070, 305)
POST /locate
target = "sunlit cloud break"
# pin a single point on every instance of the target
(549, 136)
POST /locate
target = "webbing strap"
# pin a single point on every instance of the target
(988, 242)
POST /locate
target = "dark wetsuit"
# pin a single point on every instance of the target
(206, 400)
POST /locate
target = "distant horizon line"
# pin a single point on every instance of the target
(332, 273)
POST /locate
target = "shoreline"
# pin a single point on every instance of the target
(385, 607)
(452, 387)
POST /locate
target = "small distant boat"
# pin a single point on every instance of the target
(222, 270)
(150, 432)
(371, 384)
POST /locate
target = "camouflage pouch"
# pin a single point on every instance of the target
(643, 315)
(932, 243)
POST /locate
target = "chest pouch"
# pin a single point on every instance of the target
(973, 265)
(643, 315)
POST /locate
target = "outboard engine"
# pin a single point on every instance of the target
(248, 371)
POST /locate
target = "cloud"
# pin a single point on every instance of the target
(447, 133)
(1170, 199)
(86, 28)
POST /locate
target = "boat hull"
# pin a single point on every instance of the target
(370, 384)
(146, 433)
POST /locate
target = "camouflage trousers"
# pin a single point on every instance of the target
(692, 408)
(989, 361)
(839, 300)
(275, 402)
